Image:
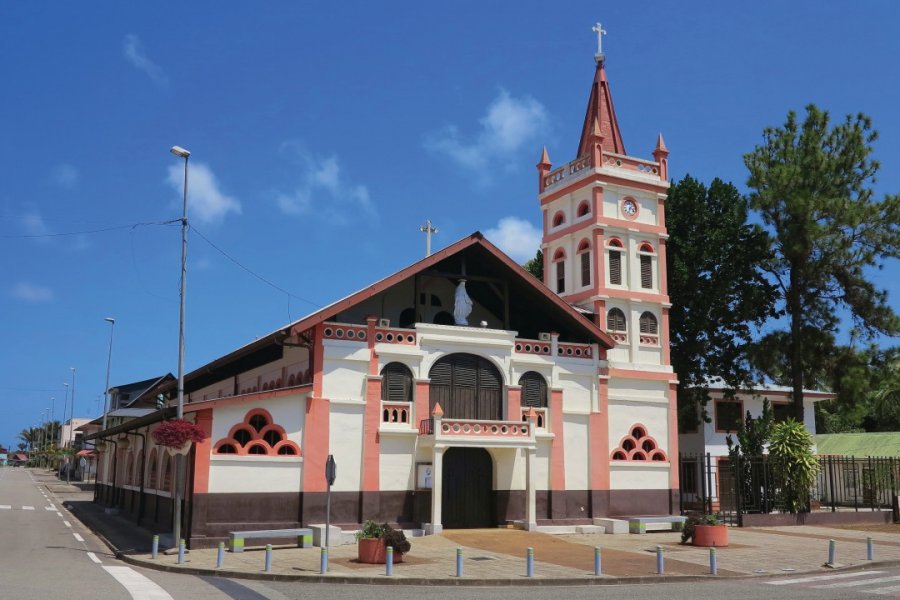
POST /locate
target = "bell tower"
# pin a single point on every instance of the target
(604, 246)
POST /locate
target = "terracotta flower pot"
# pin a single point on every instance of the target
(372, 551)
(711, 536)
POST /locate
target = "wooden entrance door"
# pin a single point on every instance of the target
(467, 387)
(467, 499)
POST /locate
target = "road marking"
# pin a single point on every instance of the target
(27, 508)
(885, 591)
(137, 585)
(5, 506)
(94, 558)
(67, 524)
(823, 577)
(847, 584)
(51, 507)
(78, 537)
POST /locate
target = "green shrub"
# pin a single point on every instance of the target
(794, 465)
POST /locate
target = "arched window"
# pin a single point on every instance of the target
(648, 323)
(167, 473)
(558, 219)
(534, 390)
(615, 262)
(559, 260)
(584, 251)
(396, 383)
(151, 471)
(407, 318)
(257, 434)
(646, 259)
(583, 208)
(467, 387)
(615, 320)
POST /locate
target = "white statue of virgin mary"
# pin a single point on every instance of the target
(462, 304)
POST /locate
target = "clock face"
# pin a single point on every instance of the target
(629, 207)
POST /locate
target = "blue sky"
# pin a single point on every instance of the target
(323, 137)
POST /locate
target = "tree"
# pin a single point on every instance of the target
(794, 464)
(717, 290)
(535, 266)
(811, 185)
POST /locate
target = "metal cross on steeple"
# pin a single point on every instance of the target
(600, 33)
(428, 229)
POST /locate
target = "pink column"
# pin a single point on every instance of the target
(421, 402)
(371, 443)
(599, 441)
(514, 403)
(557, 447)
(316, 428)
(202, 452)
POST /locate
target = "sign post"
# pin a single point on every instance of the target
(330, 475)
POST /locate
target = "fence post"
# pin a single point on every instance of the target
(855, 486)
(830, 479)
(709, 483)
(738, 485)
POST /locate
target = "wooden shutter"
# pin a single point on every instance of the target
(560, 277)
(615, 320)
(586, 268)
(534, 390)
(615, 267)
(396, 383)
(648, 323)
(646, 272)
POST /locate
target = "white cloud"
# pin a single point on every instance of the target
(509, 124)
(322, 184)
(65, 176)
(206, 201)
(33, 223)
(517, 237)
(135, 54)
(31, 293)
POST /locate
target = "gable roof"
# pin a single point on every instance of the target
(472, 257)
(139, 391)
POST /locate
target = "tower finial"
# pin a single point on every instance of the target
(600, 33)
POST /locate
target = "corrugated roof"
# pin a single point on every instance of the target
(882, 443)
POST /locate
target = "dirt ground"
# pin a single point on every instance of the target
(879, 527)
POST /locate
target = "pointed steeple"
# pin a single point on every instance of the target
(661, 155)
(660, 145)
(601, 115)
(543, 168)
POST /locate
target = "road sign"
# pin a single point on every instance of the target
(330, 470)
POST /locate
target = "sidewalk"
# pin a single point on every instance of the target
(497, 556)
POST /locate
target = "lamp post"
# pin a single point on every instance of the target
(71, 428)
(62, 444)
(52, 422)
(179, 458)
(112, 326)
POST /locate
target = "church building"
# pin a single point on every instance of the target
(457, 392)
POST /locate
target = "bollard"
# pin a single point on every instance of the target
(459, 562)
(268, 558)
(389, 561)
(870, 548)
(597, 570)
(713, 562)
(155, 550)
(220, 557)
(831, 552)
(323, 561)
(660, 567)
(180, 552)
(529, 563)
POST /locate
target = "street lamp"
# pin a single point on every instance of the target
(179, 459)
(112, 326)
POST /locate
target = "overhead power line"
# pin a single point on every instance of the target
(89, 231)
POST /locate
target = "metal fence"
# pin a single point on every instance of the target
(716, 484)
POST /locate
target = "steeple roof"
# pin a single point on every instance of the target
(601, 114)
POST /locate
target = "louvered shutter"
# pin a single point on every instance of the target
(646, 272)
(396, 383)
(585, 268)
(615, 320)
(534, 390)
(648, 323)
(615, 267)
(560, 277)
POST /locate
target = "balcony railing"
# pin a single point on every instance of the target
(396, 412)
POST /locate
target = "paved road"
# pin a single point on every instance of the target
(48, 554)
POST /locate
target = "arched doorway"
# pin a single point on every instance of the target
(467, 498)
(467, 387)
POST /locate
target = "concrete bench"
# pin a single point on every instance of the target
(656, 523)
(303, 535)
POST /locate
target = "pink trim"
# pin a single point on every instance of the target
(636, 374)
(257, 438)
(203, 419)
(599, 261)
(661, 213)
(663, 268)
(639, 445)
(615, 242)
(599, 441)
(421, 400)
(646, 247)
(557, 446)
(559, 255)
(513, 403)
(583, 246)
(370, 336)
(371, 443)
(664, 337)
(604, 179)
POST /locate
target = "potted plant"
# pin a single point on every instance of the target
(177, 435)
(373, 540)
(706, 531)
